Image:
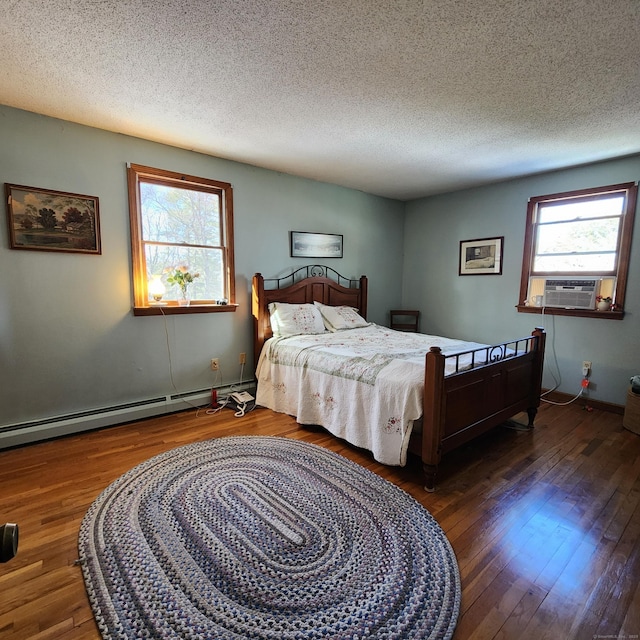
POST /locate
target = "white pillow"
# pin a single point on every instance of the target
(339, 318)
(295, 319)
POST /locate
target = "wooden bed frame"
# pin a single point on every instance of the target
(457, 407)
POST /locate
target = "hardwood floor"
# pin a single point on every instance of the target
(545, 524)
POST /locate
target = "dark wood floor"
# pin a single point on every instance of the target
(545, 524)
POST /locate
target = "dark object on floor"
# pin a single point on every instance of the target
(8, 541)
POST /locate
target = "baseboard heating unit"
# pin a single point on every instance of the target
(13, 435)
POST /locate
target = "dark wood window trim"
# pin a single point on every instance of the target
(142, 306)
(622, 262)
(174, 310)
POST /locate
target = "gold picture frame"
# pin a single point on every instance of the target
(48, 220)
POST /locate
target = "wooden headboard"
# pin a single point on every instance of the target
(313, 283)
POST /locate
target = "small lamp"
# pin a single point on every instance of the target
(156, 290)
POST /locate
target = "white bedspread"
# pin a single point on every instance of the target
(363, 385)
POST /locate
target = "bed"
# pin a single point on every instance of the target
(447, 392)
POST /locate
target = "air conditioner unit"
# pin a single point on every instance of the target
(570, 293)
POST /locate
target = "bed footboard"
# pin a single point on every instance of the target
(466, 404)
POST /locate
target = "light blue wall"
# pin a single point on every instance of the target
(68, 340)
(482, 308)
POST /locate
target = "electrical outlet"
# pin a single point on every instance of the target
(586, 365)
(243, 358)
(215, 364)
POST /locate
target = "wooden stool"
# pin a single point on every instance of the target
(404, 320)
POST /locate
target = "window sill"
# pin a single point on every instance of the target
(174, 310)
(576, 313)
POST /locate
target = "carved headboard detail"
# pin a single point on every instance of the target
(313, 283)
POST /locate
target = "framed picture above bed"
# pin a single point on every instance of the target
(481, 257)
(315, 245)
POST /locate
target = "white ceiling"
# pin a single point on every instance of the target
(401, 98)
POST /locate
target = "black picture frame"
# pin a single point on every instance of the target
(481, 257)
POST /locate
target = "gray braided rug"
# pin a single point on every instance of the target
(264, 537)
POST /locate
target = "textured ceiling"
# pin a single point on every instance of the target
(401, 98)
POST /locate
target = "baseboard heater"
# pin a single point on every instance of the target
(53, 427)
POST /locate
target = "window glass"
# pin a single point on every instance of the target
(583, 245)
(586, 208)
(171, 214)
(209, 285)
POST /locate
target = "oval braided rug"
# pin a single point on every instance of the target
(264, 537)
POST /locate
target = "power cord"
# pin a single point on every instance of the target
(238, 386)
(173, 384)
(241, 407)
(558, 380)
(561, 404)
(211, 410)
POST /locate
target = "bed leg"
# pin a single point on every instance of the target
(531, 412)
(429, 473)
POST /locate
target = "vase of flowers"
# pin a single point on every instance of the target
(182, 277)
(603, 303)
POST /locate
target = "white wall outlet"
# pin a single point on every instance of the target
(215, 364)
(243, 358)
(586, 367)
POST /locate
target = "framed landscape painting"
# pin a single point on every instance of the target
(47, 220)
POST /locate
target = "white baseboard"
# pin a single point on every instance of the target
(53, 427)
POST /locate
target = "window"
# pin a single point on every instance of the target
(181, 221)
(577, 247)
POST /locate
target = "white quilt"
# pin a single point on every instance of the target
(363, 385)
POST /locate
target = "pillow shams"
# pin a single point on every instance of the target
(339, 318)
(295, 319)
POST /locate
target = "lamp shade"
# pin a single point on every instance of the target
(156, 288)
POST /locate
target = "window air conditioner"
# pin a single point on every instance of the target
(570, 293)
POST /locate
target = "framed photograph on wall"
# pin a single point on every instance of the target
(481, 257)
(47, 220)
(315, 245)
